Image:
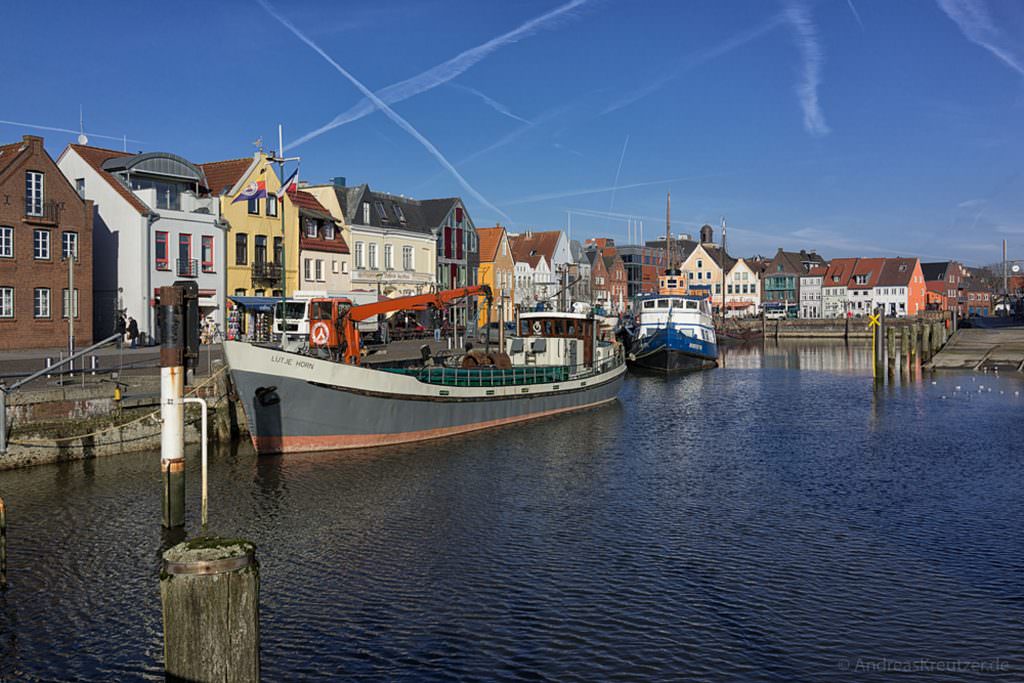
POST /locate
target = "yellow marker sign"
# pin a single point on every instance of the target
(875, 322)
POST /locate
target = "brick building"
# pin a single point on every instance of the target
(43, 220)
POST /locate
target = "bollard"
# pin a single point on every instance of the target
(209, 592)
(93, 364)
(3, 545)
(49, 364)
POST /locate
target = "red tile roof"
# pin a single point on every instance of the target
(839, 272)
(530, 246)
(221, 176)
(817, 271)
(490, 238)
(95, 156)
(8, 153)
(305, 200)
(897, 272)
(870, 268)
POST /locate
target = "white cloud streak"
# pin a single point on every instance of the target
(975, 21)
(67, 130)
(696, 59)
(442, 73)
(532, 199)
(856, 14)
(611, 201)
(388, 111)
(490, 102)
(806, 34)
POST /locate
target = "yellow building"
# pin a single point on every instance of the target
(255, 243)
(497, 270)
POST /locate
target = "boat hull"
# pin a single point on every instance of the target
(299, 404)
(669, 351)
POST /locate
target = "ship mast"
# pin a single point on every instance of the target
(668, 234)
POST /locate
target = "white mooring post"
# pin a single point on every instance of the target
(172, 410)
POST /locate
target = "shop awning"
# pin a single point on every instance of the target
(256, 304)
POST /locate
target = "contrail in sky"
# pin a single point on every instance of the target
(493, 104)
(806, 34)
(388, 111)
(67, 130)
(442, 73)
(696, 59)
(974, 20)
(856, 14)
(597, 190)
(611, 202)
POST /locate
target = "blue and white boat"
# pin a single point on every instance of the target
(672, 332)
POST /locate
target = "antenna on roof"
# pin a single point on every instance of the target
(125, 143)
(82, 139)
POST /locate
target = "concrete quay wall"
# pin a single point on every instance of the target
(60, 425)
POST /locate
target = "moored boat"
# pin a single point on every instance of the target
(295, 402)
(672, 333)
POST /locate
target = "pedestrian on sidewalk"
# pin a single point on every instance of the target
(120, 326)
(133, 332)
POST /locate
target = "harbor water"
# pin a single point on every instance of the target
(783, 518)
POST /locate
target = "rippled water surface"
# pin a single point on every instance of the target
(778, 519)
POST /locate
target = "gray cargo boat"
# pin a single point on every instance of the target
(296, 402)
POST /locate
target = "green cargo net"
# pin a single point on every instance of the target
(486, 377)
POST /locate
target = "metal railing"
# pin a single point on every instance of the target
(49, 211)
(266, 271)
(188, 267)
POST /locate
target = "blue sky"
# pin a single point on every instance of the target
(854, 127)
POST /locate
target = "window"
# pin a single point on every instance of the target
(334, 266)
(254, 206)
(359, 255)
(240, 291)
(381, 213)
(6, 242)
(80, 187)
(207, 253)
(69, 244)
(34, 194)
(185, 246)
(260, 249)
(69, 302)
(700, 263)
(278, 250)
(344, 266)
(718, 288)
(310, 225)
(6, 302)
(407, 258)
(398, 213)
(272, 205)
(41, 302)
(241, 249)
(319, 270)
(728, 289)
(329, 230)
(389, 257)
(307, 269)
(366, 213)
(168, 194)
(161, 250)
(41, 244)
(372, 256)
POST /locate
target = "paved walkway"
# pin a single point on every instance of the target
(974, 348)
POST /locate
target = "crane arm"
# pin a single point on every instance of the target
(419, 302)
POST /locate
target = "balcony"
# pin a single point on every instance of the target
(188, 267)
(266, 271)
(49, 214)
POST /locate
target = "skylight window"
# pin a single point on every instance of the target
(380, 210)
(398, 213)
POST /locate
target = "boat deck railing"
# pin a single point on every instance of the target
(503, 377)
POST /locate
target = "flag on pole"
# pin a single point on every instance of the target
(254, 190)
(289, 185)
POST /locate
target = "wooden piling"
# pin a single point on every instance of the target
(3, 545)
(209, 590)
(904, 344)
(926, 340)
(890, 349)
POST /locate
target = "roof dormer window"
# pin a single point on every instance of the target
(366, 213)
(398, 213)
(381, 213)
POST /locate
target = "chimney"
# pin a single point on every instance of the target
(338, 181)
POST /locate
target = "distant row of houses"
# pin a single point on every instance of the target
(91, 237)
